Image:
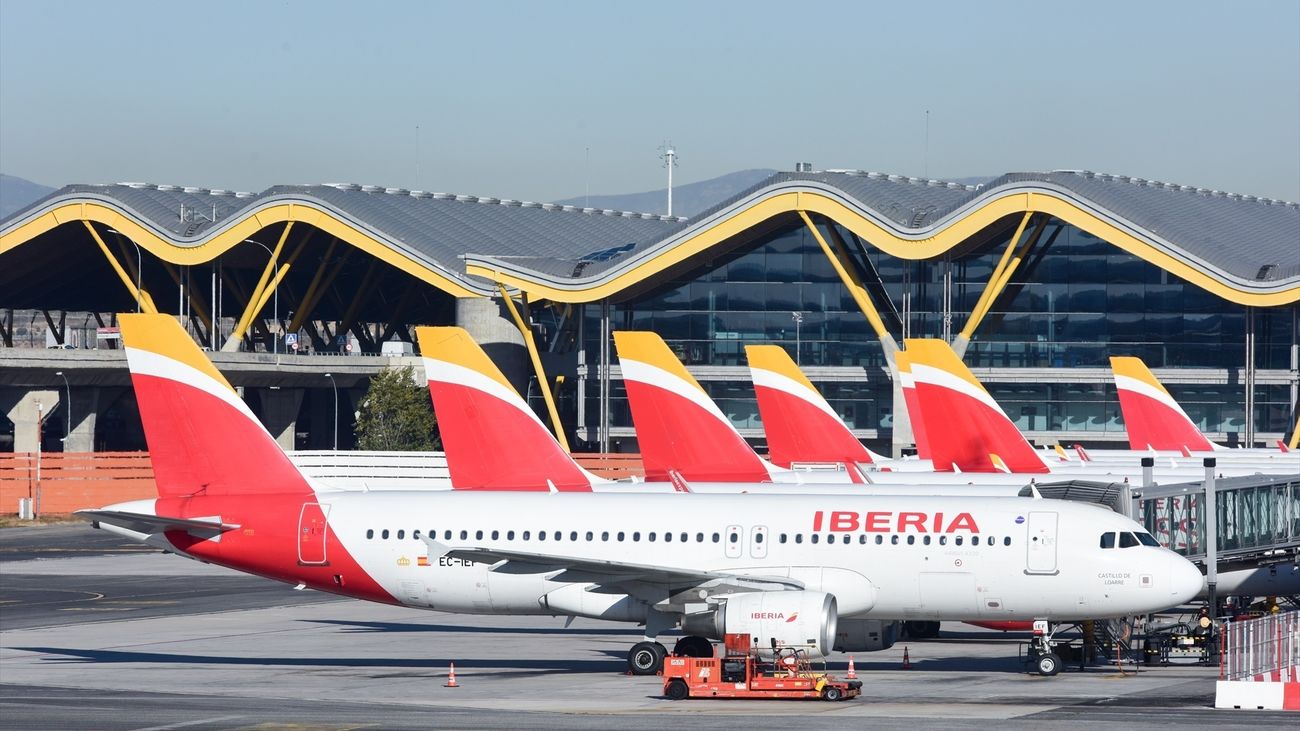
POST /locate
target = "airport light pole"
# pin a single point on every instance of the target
(67, 433)
(336, 409)
(798, 320)
(275, 309)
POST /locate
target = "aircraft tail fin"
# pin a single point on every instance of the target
(912, 404)
(965, 426)
(677, 425)
(1152, 417)
(492, 439)
(203, 439)
(800, 425)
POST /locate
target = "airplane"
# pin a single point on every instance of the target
(908, 384)
(1154, 421)
(789, 569)
(969, 432)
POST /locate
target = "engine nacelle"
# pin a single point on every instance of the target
(805, 619)
(866, 635)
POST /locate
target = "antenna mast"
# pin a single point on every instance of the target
(668, 154)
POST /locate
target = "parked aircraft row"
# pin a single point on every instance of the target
(797, 564)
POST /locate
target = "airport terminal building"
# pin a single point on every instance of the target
(1036, 277)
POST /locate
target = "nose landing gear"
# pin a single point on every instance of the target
(1042, 657)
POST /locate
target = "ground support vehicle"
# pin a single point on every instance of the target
(744, 671)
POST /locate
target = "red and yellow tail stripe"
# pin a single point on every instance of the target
(1152, 418)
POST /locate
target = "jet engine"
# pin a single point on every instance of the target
(804, 619)
(866, 635)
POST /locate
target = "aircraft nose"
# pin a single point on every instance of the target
(1185, 580)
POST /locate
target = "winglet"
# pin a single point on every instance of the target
(963, 422)
(1151, 416)
(678, 426)
(492, 439)
(800, 425)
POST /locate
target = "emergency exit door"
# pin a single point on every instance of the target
(1041, 544)
(311, 534)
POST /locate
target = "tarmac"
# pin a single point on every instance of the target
(97, 632)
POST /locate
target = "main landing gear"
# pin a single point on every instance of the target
(1042, 656)
(647, 658)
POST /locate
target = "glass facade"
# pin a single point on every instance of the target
(1074, 301)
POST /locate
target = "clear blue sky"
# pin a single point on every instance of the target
(508, 96)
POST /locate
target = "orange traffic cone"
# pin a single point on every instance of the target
(451, 678)
(852, 674)
(907, 659)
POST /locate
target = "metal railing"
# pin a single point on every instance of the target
(1263, 649)
(1255, 514)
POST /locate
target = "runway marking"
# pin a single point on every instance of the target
(95, 609)
(140, 601)
(183, 724)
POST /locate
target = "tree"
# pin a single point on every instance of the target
(396, 414)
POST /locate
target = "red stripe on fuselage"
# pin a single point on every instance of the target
(267, 541)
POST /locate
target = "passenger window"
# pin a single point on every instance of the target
(478, 535)
(1006, 541)
(911, 540)
(685, 536)
(1127, 540)
(974, 540)
(558, 535)
(604, 535)
(668, 537)
(893, 540)
(926, 540)
(1107, 540)
(526, 534)
(496, 534)
(699, 537)
(464, 535)
(416, 534)
(816, 538)
(1148, 540)
(510, 535)
(943, 540)
(590, 536)
(957, 540)
(781, 539)
(862, 538)
(384, 534)
(798, 538)
(401, 534)
(651, 537)
(879, 539)
(370, 533)
(636, 535)
(541, 535)
(620, 536)
(733, 537)
(716, 537)
(446, 536)
(758, 538)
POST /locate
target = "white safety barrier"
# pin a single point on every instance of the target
(1260, 664)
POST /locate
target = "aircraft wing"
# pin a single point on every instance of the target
(142, 523)
(608, 573)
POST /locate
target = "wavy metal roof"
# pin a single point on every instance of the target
(1244, 248)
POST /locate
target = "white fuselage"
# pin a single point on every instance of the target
(882, 556)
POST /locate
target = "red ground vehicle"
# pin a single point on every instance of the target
(743, 671)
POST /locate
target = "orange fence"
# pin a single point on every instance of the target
(71, 481)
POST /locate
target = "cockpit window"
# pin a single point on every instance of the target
(1127, 540)
(1148, 540)
(1107, 540)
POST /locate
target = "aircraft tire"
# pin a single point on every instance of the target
(693, 646)
(646, 658)
(1048, 664)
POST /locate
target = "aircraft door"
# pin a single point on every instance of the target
(758, 541)
(311, 534)
(1041, 543)
(733, 540)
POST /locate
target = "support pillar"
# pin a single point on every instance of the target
(85, 413)
(495, 331)
(20, 407)
(279, 415)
